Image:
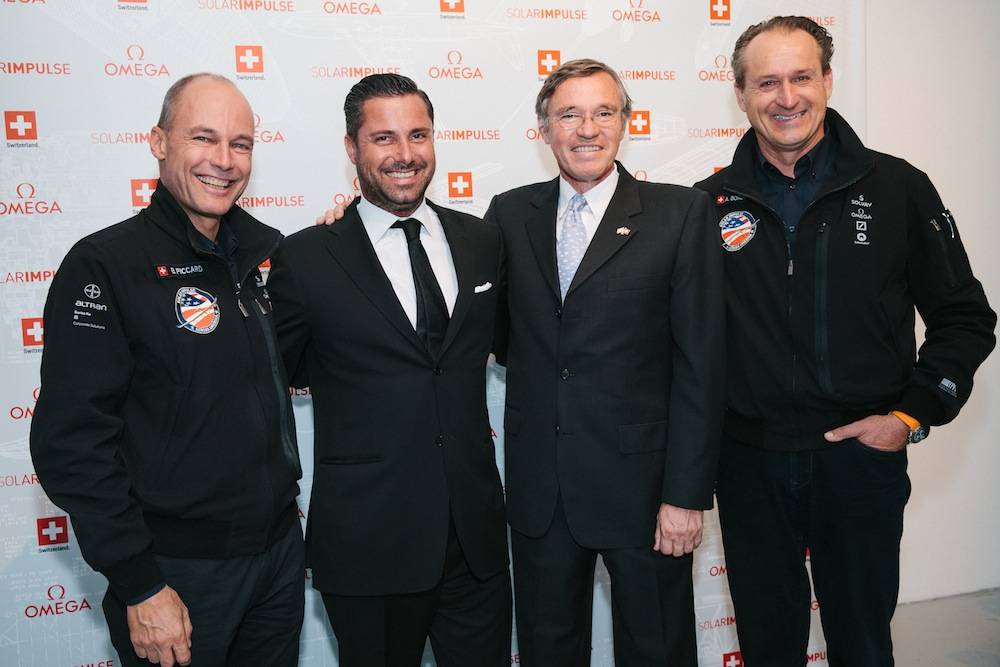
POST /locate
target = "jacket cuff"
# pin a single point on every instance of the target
(688, 501)
(923, 404)
(133, 578)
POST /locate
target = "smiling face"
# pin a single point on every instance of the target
(205, 152)
(785, 93)
(586, 154)
(394, 152)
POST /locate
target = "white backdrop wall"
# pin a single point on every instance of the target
(80, 86)
(932, 68)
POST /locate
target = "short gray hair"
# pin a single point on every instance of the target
(571, 70)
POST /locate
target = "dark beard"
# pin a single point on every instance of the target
(380, 197)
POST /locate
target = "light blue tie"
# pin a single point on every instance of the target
(572, 243)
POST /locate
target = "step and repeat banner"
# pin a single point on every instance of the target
(81, 84)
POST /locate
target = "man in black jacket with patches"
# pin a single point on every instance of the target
(829, 249)
(164, 425)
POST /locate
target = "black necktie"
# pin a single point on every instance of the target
(432, 313)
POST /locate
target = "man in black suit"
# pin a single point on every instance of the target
(388, 317)
(611, 328)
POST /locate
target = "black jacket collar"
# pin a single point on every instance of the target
(853, 160)
(256, 240)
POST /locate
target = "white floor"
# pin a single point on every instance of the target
(962, 631)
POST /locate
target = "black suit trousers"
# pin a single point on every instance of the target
(467, 619)
(652, 601)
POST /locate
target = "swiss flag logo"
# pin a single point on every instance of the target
(720, 10)
(20, 125)
(452, 6)
(734, 659)
(548, 61)
(638, 123)
(32, 331)
(52, 530)
(460, 184)
(142, 190)
(250, 59)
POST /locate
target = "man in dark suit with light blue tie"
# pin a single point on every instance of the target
(388, 316)
(611, 328)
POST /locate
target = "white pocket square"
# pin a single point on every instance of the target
(478, 289)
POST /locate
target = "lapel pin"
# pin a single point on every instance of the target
(623, 231)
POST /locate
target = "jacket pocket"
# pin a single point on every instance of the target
(639, 438)
(954, 261)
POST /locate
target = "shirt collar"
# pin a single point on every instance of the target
(598, 197)
(809, 164)
(378, 221)
(225, 243)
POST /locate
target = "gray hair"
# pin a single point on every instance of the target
(571, 70)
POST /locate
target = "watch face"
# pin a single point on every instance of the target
(918, 434)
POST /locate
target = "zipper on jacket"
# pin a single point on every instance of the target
(239, 302)
(788, 299)
(789, 272)
(288, 446)
(939, 234)
(820, 304)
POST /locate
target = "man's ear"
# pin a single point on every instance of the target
(352, 149)
(740, 99)
(158, 142)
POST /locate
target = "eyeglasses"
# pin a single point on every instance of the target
(570, 120)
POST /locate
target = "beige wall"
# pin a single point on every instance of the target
(933, 100)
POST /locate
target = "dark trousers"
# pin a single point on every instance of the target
(845, 504)
(244, 611)
(652, 601)
(468, 621)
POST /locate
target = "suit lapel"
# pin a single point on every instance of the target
(350, 246)
(541, 229)
(462, 257)
(607, 240)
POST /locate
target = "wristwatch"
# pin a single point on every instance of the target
(917, 430)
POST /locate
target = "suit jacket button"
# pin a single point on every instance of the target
(558, 313)
(564, 374)
(557, 429)
(438, 371)
(439, 441)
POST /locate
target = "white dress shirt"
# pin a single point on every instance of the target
(393, 254)
(598, 198)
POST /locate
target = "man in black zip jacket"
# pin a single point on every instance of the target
(164, 425)
(829, 247)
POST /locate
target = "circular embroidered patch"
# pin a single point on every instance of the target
(197, 310)
(737, 228)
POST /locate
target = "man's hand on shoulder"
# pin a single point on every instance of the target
(332, 215)
(160, 629)
(678, 530)
(885, 432)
